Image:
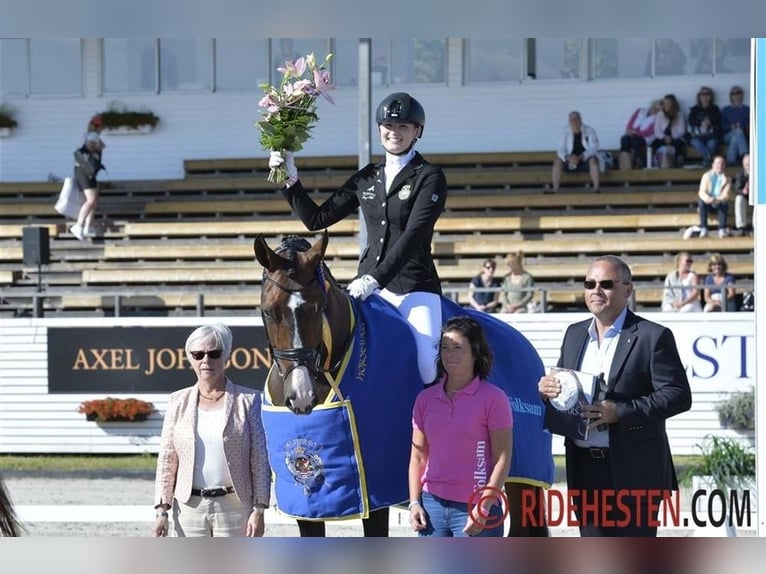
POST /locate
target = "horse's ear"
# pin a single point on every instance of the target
(317, 251)
(263, 253)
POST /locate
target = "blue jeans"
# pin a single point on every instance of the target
(447, 518)
(706, 148)
(737, 143)
(722, 209)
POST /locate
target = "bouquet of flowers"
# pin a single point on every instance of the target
(290, 110)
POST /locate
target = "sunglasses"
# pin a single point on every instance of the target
(688, 260)
(199, 355)
(606, 284)
(736, 94)
(489, 267)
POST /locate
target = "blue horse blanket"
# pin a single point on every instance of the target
(517, 369)
(350, 455)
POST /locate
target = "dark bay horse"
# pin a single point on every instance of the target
(307, 318)
(314, 331)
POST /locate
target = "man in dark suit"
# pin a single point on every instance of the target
(641, 383)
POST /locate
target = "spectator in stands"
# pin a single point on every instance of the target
(450, 421)
(705, 125)
(213, 468)
(488, 301)
(9, 522)
(681, 294)
(735, 125)
(517, 283)
(669, 146)
(720, 294)
(578, 150)
(400, 200)
(87, 165)
(742, 198)
(714, 194)
(639, 133)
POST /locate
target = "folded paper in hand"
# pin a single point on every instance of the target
(70, 199)
(563, 412)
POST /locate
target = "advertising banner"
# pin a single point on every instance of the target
(143, 359)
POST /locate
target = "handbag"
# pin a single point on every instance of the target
(70, 199)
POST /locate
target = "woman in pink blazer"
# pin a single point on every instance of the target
(212, 468)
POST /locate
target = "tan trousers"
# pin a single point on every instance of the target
(220, 516)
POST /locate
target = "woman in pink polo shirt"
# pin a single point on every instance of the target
(461, 441)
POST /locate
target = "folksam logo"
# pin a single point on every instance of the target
(523, 407)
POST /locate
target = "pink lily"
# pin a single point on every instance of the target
(269, 104)
(323, 85)
(293, 69)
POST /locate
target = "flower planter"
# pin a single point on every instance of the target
(116, 410)
(5, 132)
(139, 418)
(130, 131)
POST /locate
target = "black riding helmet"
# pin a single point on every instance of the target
(401, 108)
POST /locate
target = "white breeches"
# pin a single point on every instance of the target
(423, 311)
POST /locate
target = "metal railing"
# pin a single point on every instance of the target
(21, 302)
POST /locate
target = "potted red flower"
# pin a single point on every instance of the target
(115, 410)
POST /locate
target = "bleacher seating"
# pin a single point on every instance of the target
(168, 241)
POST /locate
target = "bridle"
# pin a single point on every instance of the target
(308, 357)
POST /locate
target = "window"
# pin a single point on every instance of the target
(621, 58)
(345, 62)
(130, 65)
(417, 61)
(186, 64)
(493, 60)
(14, 71)
(241, 64)
(55, 66)
(553, 58)
(701, 56)
(732, 55)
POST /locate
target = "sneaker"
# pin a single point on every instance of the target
(88, 232)
(77, 231)
(723, 233)
(703, 232)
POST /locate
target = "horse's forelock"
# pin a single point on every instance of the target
(293, 243)
(288, 248)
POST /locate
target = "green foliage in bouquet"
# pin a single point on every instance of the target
(290, 109)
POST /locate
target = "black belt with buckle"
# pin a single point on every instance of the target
(212, 492)
(598, 452)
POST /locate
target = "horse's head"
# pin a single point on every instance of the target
(294, 296)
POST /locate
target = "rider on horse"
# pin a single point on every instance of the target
(400, 199)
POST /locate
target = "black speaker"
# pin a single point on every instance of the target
(37, 248)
